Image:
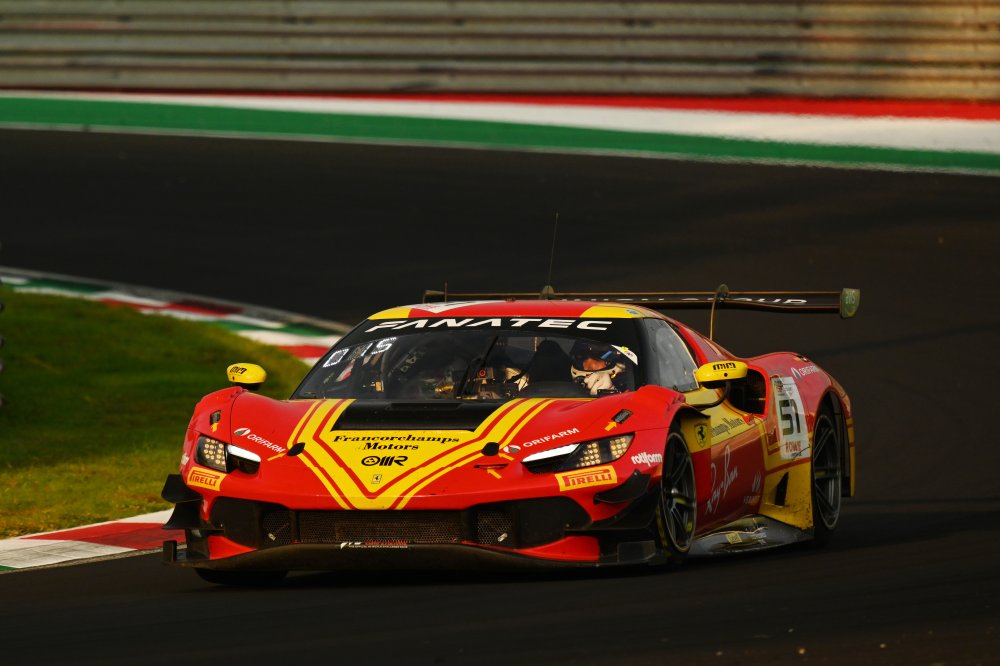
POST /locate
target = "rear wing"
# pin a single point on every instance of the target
(844, 302)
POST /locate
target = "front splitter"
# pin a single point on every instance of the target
(356, 557)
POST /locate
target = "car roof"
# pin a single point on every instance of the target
(527, 308)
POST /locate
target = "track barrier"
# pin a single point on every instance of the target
(917, 49)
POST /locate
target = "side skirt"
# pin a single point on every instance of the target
(747, 534)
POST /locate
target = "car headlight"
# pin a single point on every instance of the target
(225, 457)
(575, 456)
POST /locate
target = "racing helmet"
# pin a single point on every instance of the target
(592, 356)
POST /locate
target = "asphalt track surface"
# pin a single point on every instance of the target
(335, 231)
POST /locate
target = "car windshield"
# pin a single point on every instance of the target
(492, 362)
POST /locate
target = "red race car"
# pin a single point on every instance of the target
(563, 430)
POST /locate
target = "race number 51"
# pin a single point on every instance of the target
(793, 435)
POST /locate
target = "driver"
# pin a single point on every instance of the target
(598, 366)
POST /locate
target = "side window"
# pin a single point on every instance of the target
(708, 349)
(672, 366)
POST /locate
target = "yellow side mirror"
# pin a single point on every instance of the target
(248, 375)
(714, 375)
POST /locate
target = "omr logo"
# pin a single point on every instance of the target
(384, 461)
(240, 432)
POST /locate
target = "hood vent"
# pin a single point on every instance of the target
(395, 415)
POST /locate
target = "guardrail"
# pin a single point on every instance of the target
(845, 48)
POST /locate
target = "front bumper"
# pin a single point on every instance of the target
(540, 532)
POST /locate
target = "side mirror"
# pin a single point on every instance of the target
(715, 375)
(247, 375)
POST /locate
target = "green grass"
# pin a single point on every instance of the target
(96, 402)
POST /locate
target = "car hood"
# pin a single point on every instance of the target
(368, 454)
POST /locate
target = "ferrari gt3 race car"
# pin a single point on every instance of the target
(565, 430)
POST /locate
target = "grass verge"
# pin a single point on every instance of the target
(96, 401)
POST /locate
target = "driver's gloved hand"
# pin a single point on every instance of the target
(598, 381)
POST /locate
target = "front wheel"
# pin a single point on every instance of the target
(676, 512)
(827, 476)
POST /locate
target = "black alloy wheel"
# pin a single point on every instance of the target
(827, 476)
(678, 506)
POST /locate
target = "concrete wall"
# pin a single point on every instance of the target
(934, 49)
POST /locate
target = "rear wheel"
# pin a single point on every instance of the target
(827, 476)
(677, 509)
(241, 578)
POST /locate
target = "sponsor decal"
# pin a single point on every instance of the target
(384, 461)
(728, 365)
(792, 433)
(237, 370)
(257, 439)
(205, 478)
(804, 371)
(356, 352)
(354, 545)
(776, 301)
(379, 446)
(725, 425)
(647, 458)
(511, 448)
(700, 299)
(379, 439)
(549, 438)
(376, 479)
(722, 478)
(449, 305)
(592, 476)
(754, 496)
(494, 322)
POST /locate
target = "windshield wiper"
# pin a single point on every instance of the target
(460, 389)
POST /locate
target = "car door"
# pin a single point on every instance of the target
(729, 487)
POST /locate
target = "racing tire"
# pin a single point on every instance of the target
(677, 507)
(241, 578)
(827, 476)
